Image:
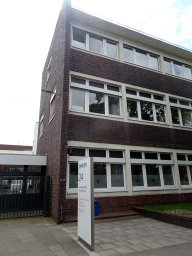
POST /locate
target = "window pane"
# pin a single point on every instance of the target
(189, 157)
(77, 80)
(157, 97)
(128, 55)
(153, 62)
(168, 67)
(146, 95)
(137, 175)
(167, 175)
(76, 151)
(117, 179)
(178, 69)
(141, 58)
(97, 153)
(175, 116)
(11, 185)
(114, 106)
(160, 113)
(73, 175)
(95, 84)
(185, 103)
(153, 177)
(96, 44)
(186, 117)
(33, 185)
(77, 99)
(136, 155)
(111, 49)
(34, 168)
(113, 88)
(115, 154)
(11, 169)
(181, 157)
(132, 108)
(187, 71)
(146, 111)
(151, 156)
(183, 175)
(190, 170)
(100, 177)
(96, 103)
(131, 92)
(165, 156)
(79, 38)
(173, 100)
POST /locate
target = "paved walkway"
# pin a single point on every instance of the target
(137, 236)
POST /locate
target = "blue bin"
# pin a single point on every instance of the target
(96, 208)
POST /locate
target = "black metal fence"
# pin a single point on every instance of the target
(24, 196)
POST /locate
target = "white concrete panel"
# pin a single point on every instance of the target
(10, 159)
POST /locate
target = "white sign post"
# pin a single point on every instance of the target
(86, 203)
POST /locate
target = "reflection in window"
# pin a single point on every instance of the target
(33, 185)
(141, 58)
(167, 175)
(96, 44)
(178, 69)
(114, 106)
(12, 169)
(153, 177)
(111, 49)
(117, 179)
(175, 115)
(168, 67)
(160, 113)
(186, 117)
(187, 71)
(183, 175)
(128, 55)
(100, 176)
(11, 185)
(96, 103)
(78, 99)
(132, 108)
(137, 175)
(153, 60)
(146, 111)
(79, 38)
(73, 175)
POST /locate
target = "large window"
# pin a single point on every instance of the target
(95, 97)
(145, 106)
(178, 69)
(95, 43)
(181, 112)
(185, 169)
(108, 168)
(141, 57)
(151, 170)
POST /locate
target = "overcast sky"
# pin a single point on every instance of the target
(27, 28)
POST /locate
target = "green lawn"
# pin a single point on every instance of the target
(169, 207)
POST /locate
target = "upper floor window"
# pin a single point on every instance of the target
(49, 68)
(178, 69)
(140, 57)
(94, 43)
(181, 112)
(146, 106)
(41, 124)
(95, 97)
(52, 103)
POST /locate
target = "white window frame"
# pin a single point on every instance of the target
(152, 100)
(105, 160)
(104, 38)
(179, 107)
(52, 101)
(173, 70)
(186, 163)
(135, 49)
(86, 88)
(158, 162)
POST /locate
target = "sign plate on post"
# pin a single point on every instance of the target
(86, 202)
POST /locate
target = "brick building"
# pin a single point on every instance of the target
(125, 99)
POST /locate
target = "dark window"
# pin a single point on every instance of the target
(95, 84)
(157, 97)
(146, 95)
(137, 175)
(173, 100)
(77, 152)
(184, 103)
(136, 155)
(165, 156)
(113, 88)
(181, 157)
(150, 155)
(131, 92)
(77, 80)
(189, 157)
(116, 154)
(97, 153)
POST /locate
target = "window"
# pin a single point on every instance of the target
(178, 69)
(52, 104)
(41, 124)
(145, 106)
(95, 97)
(181, 112)
(140, 57)
(185, 169)
(151, 170)
(49, 68)
(95, 43)
(108, 168)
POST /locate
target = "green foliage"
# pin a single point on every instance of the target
(170, 207)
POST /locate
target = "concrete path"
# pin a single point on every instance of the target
(137, 236)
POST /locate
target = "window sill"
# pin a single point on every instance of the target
(51, 119)
(140, 66)
(153, 188)
(94, 114)
(182, 127)
(147, 122)
(186, 187)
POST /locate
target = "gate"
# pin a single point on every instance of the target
(22, 196)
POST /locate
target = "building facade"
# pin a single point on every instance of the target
(123, 98)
